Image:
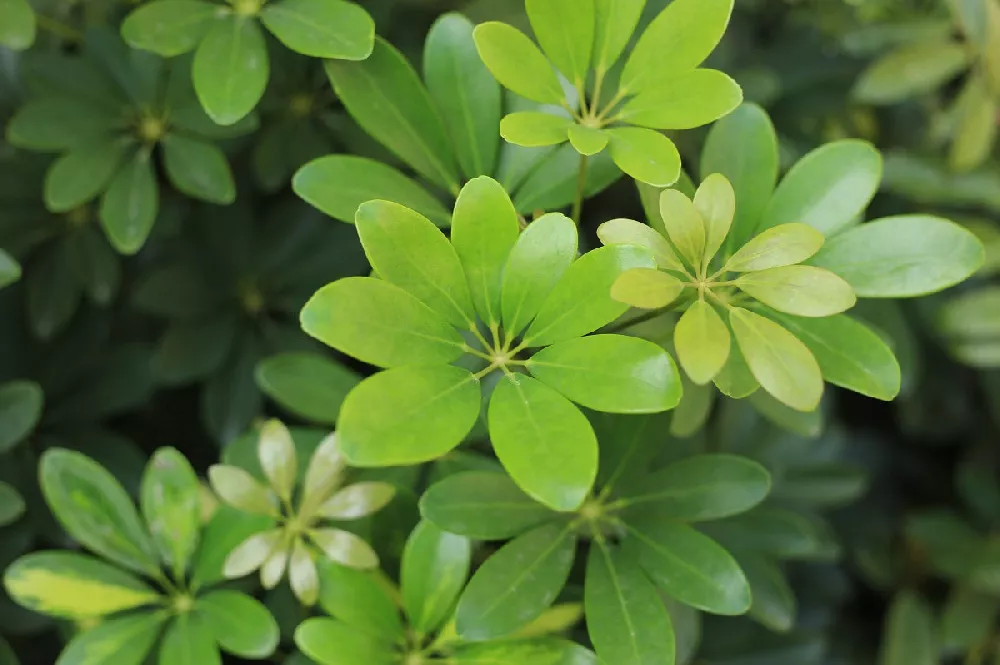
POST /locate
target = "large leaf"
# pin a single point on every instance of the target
(408, 415)
(909, 637)
(435, 568)
(241, 625)
(687, 100)
(231, 68)
(20, 410)
(565, 31)
(800, 290)
(188, 641)
(56, 123)
(516, 584)
(307, 384)
(910, 70)
(169, 27)
(171, 506)
(321, 28)
(130, 204)
(517, 63)
(120, 641)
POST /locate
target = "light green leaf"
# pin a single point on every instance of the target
(626, 618)
(21, 405)
(565, 31)
(169, 27)
(799, 290)
(484, 229)
(782, 364)
(339, 184)
(587, 141)
(777, 247)
(735, 379)
(910, 70)
(241, 625)
(629, 232)
(324, 473)
(615, 22)
(469, 98)
(242, 491)
(302, 576)
(120, 641)
(903, 256)
(386, 97)
(408, 415)
(679, 39)
(407, 250)
(516, 584)
(975, 126)
(646, 288)
(224, 532)
(67, 585)
(689, 567)
(702, 342)
(360, 599)
(198, 169)
(17, 24)
(188, 641)
(645, 155)
(828, 189)
(358, 500)
(10, 270)
(517, 64)
(435, 568)
(255, 552)
(684, 226)
(693, 411)
(81, 174)
(684, 101)
(130, 204)
(535, 129)
(276, 452)
(849, 354)
(52, 124)
(581, 302)
(537, 263)
(12, 505)
(231, 69)
(321, 28)
(910, 635)
(309, 385)
(95, 510)
(715, 201)
(611, 373)
(171, 506)
(331, 642)
(544, 442)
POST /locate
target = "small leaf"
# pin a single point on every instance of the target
(324, 474)
(169, 27)
(735, 379)
(12, 505)
(20, 411)
(534, 129)
(645, 155)
(276, 452)
(302, 574)
(684, 225)
(517, 63)
(345, 548)
(242, 491)
(124, 640)
(910, 70)
(799, 290)
(130, 204)
(307, 384)
(188, 641)
(81, 174)
(909, 637)
(777, 247)
(255, 552)
(10, 270)
(684, 101)
(516, 584)
(198, 169)
(565, 31)
(976, 128)
(241, 625)
(17, 24)
(615, 22)
(646, 288)
(231, 69)
(715, 201)
(321, 28)
(434, 571)
(587, 141)
(331, 642)
(629, 232)
(702, 342)
(171, 506)
(357, 501)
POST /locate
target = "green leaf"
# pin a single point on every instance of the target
(849, 354)
(10, 270)
(689, 567)
(715, 201)
(483, 505)
(534, 129)
(226, 530)
(646, 288)
(701, 488)
(81, 174)
(331, 642)
(130, 204)
(302, 575)
(171, 506)
(679, 39)
(611, 373)
(773, 599)
(968, 619)
(800, 290)
(587, 141)
(255, 552)
(435, 568)
(321, 28)
(408, 415)
(276, 452)
(626, 618)
(20, 410)
(645, 155)
(777, 532)
(358, 500)
(693, 411)
(684, 225)
(549, 651)
(380, 324)
(17, 24)
(241, 625)
(95, 510)
(386, 97)
(307, 384)
(615, 22)
(484, 229)
(910, 70)
(782, 364)
(339, 184)
(360, 599)
(51, 124)
(743, 147)
(188, 641)
(68, 585)
(231, 68)
(169, 27)
(903, 256)
(702, 342)
(242, 491)
(565, 31)
(828, 189)
(12, 505)
(516, 63)
(684, 101)
(553, 183)
(537, 262)
(581, 302)
(629, 232)
(735, 379)
(120, 641)
(909, 637)
(777, 247)
(407, 250)
(543, 441)
(198, 169)
(469, 98)
(516, 584)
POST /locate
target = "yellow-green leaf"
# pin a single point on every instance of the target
(799, 290)
(702, 342)
(684, 225)
(646, 288)
(778, 246)
(715, 201)
(629, 232)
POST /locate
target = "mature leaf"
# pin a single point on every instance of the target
(615, 22)
(55, 123)
(554, 651)
(903, 256)
(360, 599)
(629, 232)
(516, 584)
(171, 506)
(17, 24)
(309, 385)
(331, 642)
(10, 270)
(199, 169)
(646, 155)
(20, 410)
(120, 641)
(777, 532)
(188, 641)
(12, 505)
(565, 31)
(408, 415)
(81, 174)
(693, 411)
(231, 69)
(534, 129)
(800, 290)
(554, 181)
(910, 70)
(435, 568)
(169, 27)
(715, 201)
(702, 342)
(773, 599)
(909, 637)
(968, 619)
(777, 247)
(224, 532)
(829, 484)
(516, 63)
(321, 28)
(646, 288)
(241, 625)
(129, 206)
(684, 101)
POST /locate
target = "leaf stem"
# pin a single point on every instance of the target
(474, 329)
(599, 74)
(581, 184)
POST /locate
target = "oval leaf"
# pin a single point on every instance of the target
(435, 568)
(517, 63)
(800, 290)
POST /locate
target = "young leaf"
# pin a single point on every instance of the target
(169, 27)
(408, 415)
(231, 69)
(684, 225)
(407, 250)
(435, 568)
(483, 505)
(241, 490)
(20, 410)
(646, 155)
(357, 501)
(909, 637)
(910, 70)
(516, 584)
(276, 452)
(702, 342)
(799, 290)
(777, 247)
(130, 204)
(611, 373)
(188, 641)
(81, 174)
(684, 101)
(171, 506)
(626, 618)
(17, 24)
(534, 129)
(125, 640)
(715, 201)
(902, 257)
(309, 385)
(565, 31)
(517, 64)
(241, 625)
(302, 575)
(615, 22)
(543, 441)
(255, 552)
(646, 288)
(587, 141)
(782, 364)
(331, 642)
(629, 232)
(321, 28)
(198, 169)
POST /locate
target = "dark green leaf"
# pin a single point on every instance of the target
(20, 410)
(231, 68)
(198, 169)
(130, 204)
(359, 599)
(307, 384)
(81, 174)
(169, 27)
(188, 641)
(909, 637)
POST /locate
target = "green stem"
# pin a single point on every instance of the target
(581, 183)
